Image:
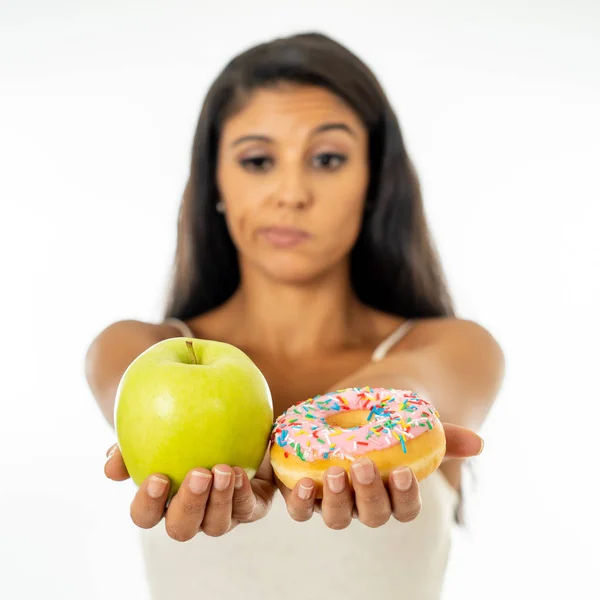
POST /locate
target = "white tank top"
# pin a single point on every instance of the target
(277, 557)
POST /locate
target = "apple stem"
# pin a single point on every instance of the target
(191, 352)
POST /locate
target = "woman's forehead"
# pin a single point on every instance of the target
(290, 108)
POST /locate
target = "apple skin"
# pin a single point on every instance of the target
(172, 415)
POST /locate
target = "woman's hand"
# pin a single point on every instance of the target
(370, 500)
(213, 502)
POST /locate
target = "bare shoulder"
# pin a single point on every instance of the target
(131, 329)
(209, 325)
(457, 339)
(434, 329)
(431, 330)
(113, 349)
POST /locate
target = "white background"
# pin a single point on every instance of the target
(499, 105)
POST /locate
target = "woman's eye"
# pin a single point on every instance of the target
(256, 163)
(326, 160)
(329, 160)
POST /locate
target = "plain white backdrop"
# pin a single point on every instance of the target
(499, 105)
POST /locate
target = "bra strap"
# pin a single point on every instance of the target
(389, 342)
(179, 324)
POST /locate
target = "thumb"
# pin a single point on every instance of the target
(115, 468)
(461, 442)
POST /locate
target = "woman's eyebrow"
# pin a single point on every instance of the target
(251, 138)
(330, 126)
(318, 129)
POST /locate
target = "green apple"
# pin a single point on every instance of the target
(186, 403)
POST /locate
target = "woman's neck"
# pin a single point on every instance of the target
(295, 320)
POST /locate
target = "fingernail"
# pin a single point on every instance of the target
(481, 449)
(304, 491)
(222, 479)
(363, 471)
(336, 482)
(111, 451)
(199, 482)
(239, 481)
(402, 479)
(156, 487)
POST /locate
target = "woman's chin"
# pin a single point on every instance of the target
(292, 269)
(291, 274)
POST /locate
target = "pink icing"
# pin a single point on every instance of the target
(395, 416)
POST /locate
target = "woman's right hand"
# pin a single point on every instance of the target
(213, 502)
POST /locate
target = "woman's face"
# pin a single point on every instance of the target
(294, 158)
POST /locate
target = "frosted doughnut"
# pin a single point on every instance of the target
(390, 427)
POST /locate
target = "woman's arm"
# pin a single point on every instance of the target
(109, 355)
(112, 351)
(455, 364)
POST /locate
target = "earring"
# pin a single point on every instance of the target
(220, 206)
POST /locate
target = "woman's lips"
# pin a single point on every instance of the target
(284, 237)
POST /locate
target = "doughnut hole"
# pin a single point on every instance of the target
(348, 418)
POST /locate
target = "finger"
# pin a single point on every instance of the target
(188, 505)
(461, 442)
(371, 497)
(244, 500)
(148, 505)
(301, 500)
(338, 502)
(217, 519)
(307, 494)
(115, 467)
(404, 494)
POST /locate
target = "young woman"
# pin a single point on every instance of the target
(302, 240)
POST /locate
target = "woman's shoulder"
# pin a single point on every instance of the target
(422, 330)
(147, 330)
(209, 325)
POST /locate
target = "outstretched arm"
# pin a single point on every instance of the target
(458, 367)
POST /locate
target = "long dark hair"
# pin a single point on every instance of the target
(394, 264)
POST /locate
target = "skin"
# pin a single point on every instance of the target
(309, 169)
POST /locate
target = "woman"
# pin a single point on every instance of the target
(302, 241)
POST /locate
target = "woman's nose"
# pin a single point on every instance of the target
(293, 190)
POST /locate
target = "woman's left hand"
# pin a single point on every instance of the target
(370, 500)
